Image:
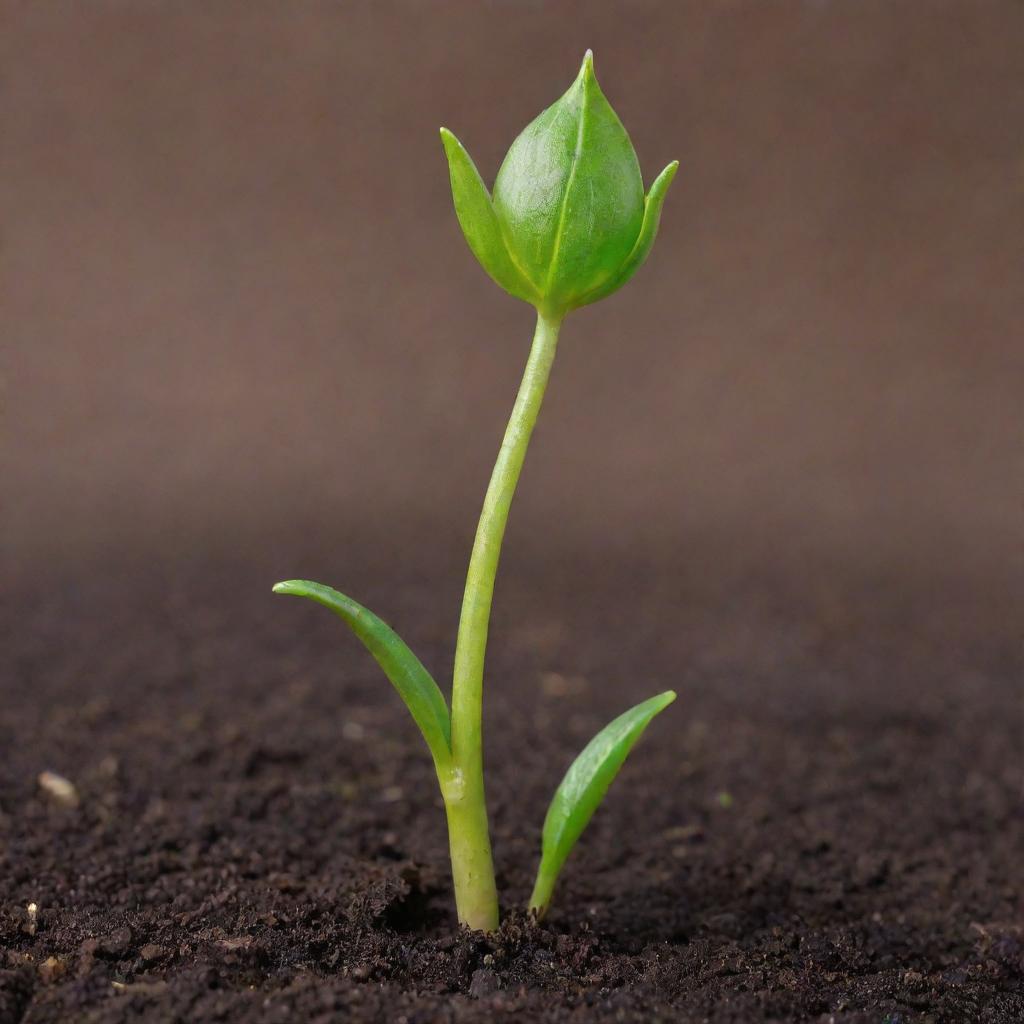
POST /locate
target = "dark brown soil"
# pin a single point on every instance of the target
(825, 827)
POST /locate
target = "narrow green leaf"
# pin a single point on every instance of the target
(479, 223)
(648, 230)
(413, 682)
(583, 788)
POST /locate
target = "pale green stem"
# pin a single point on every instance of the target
(542, 891)
(476, 896)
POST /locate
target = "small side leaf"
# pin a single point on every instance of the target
(583, 789)
(479, 222)
(648, 230)
(413, 682)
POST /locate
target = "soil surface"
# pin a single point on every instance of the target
(825, 827)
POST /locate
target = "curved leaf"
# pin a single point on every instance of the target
(413, 682)
(583, 788)
(648, 230)
(479, 223)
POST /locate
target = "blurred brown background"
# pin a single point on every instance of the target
(240, 312)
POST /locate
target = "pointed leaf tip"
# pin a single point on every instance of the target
(476, 216)
(587, 76)
(413, 682)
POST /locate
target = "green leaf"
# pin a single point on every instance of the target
(479, 223)
(583, 789)
(652, 218)
(414, 683)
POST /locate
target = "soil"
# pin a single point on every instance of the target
(825, 827)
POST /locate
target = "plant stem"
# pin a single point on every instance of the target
(542, 891)
(476, 896)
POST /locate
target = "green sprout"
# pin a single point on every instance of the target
(568, 223)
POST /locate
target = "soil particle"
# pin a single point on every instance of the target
(51, 969)
(151, 952)
(60, 790)
(116, 943)
(483, 983)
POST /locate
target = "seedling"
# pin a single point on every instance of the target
(568, 223)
